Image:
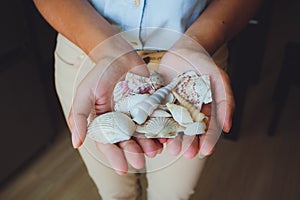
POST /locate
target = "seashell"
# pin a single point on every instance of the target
(162, 107)
(195, 89)
(126, 104)
(188, 74)
(196, 115)
(132, 84)
(121, 90)
(144, 89)
(195, 128)
(160, 113)
(180, 114)
(160, 127)
(142, 110)
(156, 80)
(111, 127)
(169, 99)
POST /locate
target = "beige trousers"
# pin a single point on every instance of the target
(170, 177)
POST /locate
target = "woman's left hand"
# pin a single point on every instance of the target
(187, 55)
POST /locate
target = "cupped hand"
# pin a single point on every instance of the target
(187, 55)
(113, 58)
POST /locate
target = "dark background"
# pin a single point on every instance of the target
(29, 109)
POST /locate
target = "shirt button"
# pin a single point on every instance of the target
(136, 3)
(134, 43)
(81, 56)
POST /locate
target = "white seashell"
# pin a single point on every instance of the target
(162, 107)
(160, 113)
(125, 104)
(196, 115)
(142, 110)
(111, 127)
(180, 114)
(195, 128)
(160, 128)
(156, 80)
(195, 89)
(169, 99)
(121, 90)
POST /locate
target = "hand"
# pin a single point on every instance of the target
(94, 90)
(188, 55)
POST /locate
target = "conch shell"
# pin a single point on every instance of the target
(180, 114)
(196, 115)
(111, 127)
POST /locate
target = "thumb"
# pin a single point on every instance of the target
(77, 120)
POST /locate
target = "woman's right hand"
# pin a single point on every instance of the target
(94, 91)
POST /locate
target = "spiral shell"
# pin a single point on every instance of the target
(142, 110)
(196, 115)
(160, 127)
(111, 127)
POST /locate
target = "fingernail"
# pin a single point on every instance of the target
(75, 141)
(121, 172)
(201, 155)
(151, 154)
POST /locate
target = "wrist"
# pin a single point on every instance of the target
(208, 34)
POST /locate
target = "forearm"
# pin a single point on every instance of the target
(221, 21)
(77, 20)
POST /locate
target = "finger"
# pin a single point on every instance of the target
(115, 156)
(190, 144)
(174, 145)
(133, 153)
(210, 138)
(160, 146)
(162, 140)
(149, 146)
(224, 101)
(77, 120)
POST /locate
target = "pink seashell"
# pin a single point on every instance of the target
(133, 84)
(195, 89)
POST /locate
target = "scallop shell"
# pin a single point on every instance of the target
(142, 110)
(126, 104)
(160, 128)
(111, 127)
(195, 89)
(160, 113)
(180, 114)
(196, 115)
(195, 128)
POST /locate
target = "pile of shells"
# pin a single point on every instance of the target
(144, 105)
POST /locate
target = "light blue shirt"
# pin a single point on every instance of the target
(150, 24)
